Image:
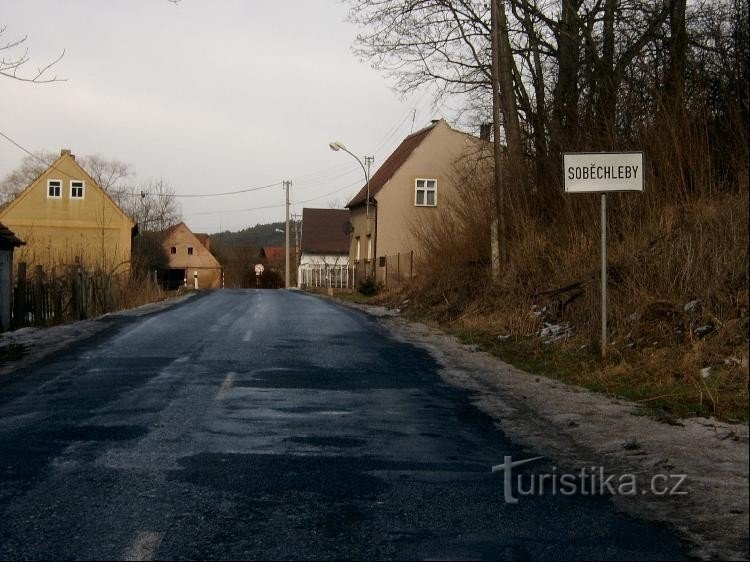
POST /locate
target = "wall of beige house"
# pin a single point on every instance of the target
(433, 159)
(60, 231)
(360, 232)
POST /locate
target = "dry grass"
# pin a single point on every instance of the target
(684, 240)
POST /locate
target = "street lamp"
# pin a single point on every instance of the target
(336, 146)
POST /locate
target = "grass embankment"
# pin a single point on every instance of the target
(678, 301)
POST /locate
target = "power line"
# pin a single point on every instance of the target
(35, 157)
(278, 205)
(190, 195)
(140, 193)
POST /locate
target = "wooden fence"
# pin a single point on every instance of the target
(41, 300)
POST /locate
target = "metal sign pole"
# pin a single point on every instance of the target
(604, 275)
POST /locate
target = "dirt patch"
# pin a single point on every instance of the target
(579, 428)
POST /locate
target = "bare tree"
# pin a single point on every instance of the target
(14, 59)
(153, 205)
(31, 168)
(107, 173)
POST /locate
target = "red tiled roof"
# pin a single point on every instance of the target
(272, 253)
(397, 159)
(325, 231)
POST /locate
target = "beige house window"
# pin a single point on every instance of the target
(369, 247)
(173, 250)
(190, 251)
(54, 189)
(359, 249)
(76, 189)
(425, 193)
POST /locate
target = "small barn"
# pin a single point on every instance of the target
(191, 263)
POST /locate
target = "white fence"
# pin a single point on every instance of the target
(321, 275)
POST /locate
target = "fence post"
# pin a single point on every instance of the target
(19, 299)
(57, 313)
(80, 294)
(38, 295)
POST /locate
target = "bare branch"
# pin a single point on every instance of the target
(11, 64)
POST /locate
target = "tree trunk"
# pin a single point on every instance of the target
(675, 79)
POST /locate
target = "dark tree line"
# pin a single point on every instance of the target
(576, 74)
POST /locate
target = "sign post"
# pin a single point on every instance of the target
(603, 172)
(258, 272)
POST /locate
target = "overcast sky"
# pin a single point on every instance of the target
(211, 95)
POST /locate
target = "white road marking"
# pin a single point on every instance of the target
(226, 385)
(144, 546)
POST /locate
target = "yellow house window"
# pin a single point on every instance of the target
(54, 189)
(359, 249)
(425, 193)
(76, 189)
(190, 251)
(369, 247)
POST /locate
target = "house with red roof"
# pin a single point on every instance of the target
(415, 184)
(272, 255)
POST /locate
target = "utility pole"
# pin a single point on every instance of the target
(371, 232)
(287, 185)
(499, 250)
(297, 250)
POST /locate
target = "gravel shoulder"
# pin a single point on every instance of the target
(579, 428)
(40, 343)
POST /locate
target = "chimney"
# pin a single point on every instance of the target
(66, 152)
(485, 131)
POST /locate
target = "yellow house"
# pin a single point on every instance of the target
(65, 218)
(416, 184)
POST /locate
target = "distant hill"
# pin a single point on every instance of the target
(256, 236)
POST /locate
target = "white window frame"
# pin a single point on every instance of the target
(425, 188)
(83, 189)
(59, 188)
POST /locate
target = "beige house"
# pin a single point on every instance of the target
(191, 262)
(414, 184)
(65, 218)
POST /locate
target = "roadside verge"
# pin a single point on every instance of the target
(35, 344)
(579, 428)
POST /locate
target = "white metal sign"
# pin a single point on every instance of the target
(259, 269)
(599, 172)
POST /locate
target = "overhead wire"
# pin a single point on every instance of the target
(313, 179)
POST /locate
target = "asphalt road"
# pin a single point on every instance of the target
(271, 424)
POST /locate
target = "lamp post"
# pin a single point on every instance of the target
(336, 146)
